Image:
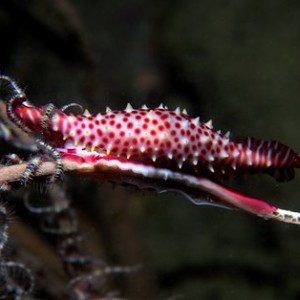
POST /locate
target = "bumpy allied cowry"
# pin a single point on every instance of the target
(160, 149)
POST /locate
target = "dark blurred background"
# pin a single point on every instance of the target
(236, 62)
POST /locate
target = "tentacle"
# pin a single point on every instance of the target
(48, 111)
(91, 273)
(67, 106)
(89, 286)
(4, 223)
(35, 162)
(16, 97)
(16, 280)
(70, 252)
(30, 170)
(12, 86)
(52, 223)
(54, 154)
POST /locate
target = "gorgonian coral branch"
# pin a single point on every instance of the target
(9, 175)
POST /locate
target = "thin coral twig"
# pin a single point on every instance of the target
(12, 174)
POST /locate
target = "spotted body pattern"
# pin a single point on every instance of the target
(163, 138)
(157, 148)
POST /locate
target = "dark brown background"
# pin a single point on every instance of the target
(236, 62)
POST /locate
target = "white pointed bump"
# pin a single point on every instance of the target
(142, 149)
(211, 168)
(226, 142)
(144, 106)
(151, 114)
(210, 158)
(108, 110)
(129, 107)
(161, 106)
(195, 162)
(170, 155)
(209, 124)
(177, 110)
(236, 153)
(224, 154)
(154, 158)
(227, 135)
(196, 121)
(269, 163)
(86, 113)
(184, 111)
